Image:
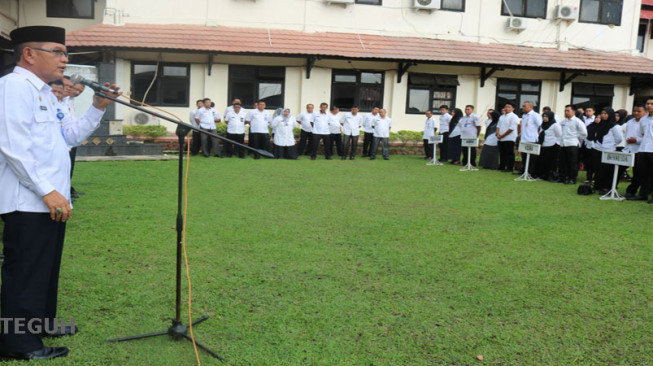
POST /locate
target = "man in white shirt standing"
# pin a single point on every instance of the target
(259, 134)
(231, 107)
(306, 135)
(368, 129)
(529, 130)
(382, 128)
(573, 131)
(646, 151)
(235, 120)
(197, 137)
(335, 131)
(321, 132)
(351, 125)
(207, 117)
(633, 139)
(429, 130)
(507, 135)
(470, 128)
(445, 118)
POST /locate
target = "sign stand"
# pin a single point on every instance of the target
(528, 148)
(617, 159)
(435, 140)
(469, 143)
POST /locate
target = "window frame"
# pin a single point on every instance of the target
(433, 88)
(48, 9)
(461, 10)
(599, 20)
(642, 35)
(357, 83)
(594, 105)
(159, 87)
(524, 10)
(519, 93)
(258, 82)
(358, 2)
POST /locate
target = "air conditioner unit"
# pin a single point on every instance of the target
(144, 119)
(566, 12)
(427, 4)
(517, 23)
(346, 2)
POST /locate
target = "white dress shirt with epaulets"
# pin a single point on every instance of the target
(610, 140)
(334, 124)
(368, 124)
(429, 128)
(530, 126)
(508, 121)
(444, 123)
(259, 121)
(552, 135)
(646, 129)
(588, 120)
(351, 124)
(573, 131)
(191, 118)
(633, 130)
(382, 127)
(34, 158)
(468, 126)
(321, 123)
(235, 122)
(305, 120)
(207, 117)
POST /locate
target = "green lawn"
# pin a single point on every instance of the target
(356, 263)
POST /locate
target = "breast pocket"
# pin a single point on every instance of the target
(44, 130)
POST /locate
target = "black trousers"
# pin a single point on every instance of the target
(636, 182)
(428, 148)
(547, 163)
(506, 155)
(569, 162)
(646, 173)
(368, 138)
(259, 141)
(316, 143)
(305, 143)
(350, 145)
(72, 153)
(336, 139)
(465, 157)
(444, 147)
(604, 172)
(229, 149)
(33, 244)
(196, 143)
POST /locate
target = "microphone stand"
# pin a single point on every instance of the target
(177, 330)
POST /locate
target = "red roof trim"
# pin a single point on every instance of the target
(646, 14)
(647, 2)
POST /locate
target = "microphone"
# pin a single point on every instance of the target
(79, 79)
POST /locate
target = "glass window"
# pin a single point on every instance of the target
(454, 5)
(525, 8)
(362, 88)
(369, 2)
(596, 96)
(641, 37)
(601, 11)
(430, 91)
(253, 83)
(517, 92)
(167, 85)
(84, 9)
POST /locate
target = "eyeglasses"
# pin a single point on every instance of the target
(58, 53)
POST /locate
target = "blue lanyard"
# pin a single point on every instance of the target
(60, 116)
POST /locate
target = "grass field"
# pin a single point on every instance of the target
(356, 263)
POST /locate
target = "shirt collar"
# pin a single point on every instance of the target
(32, 78)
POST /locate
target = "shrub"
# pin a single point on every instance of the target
(149, 132)
(404, 136)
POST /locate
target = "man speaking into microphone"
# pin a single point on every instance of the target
(35, 189)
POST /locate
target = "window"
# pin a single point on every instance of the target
(597, 96)
(252, 83)
(362, 88)
(453, 5)
(641, 37)
(170, 87)
(517, 92)
(369, 2)
(601, 11)
(429, 91)
(84, 9)
(525, 8)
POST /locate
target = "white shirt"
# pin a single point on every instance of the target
(235, 122)
(259, 121)
(207, 117)
(429, 128)
(191, 118)
(351, 124)
(368, 124)
(588, 120)
(646, 129)
(444, 123)
(321, 123)
(468, 126)
(34, 158)
(610, 140)
(508, 121)
(305, 119)
(573, 131)
(530, 126)
(552, 135)
(382, 127)
(633, 130)
(334, 124)
(284, 135)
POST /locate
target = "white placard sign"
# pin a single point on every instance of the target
(529, 148)
(435, 139)
(469, 142)
(618, 158)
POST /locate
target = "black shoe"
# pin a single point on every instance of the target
(386, 158)
(218, 156)
(636, 198)
(506, 171)
(61, 332)
(555, 181)
(364, 156)
(352, 157)
(313, 158)
(45, 353)
(650, 201)
(603, 191)
(328, 158)
(628, 195)
(343, 158)
(372, 158)
(257, 157)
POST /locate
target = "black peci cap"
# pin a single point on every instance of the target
(39, 33)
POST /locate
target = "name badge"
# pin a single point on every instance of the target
(44, 108)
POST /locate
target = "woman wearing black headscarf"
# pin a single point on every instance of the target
(590, 155)
(608, 136)
(490, 152)
(550, 135)
(454, 149)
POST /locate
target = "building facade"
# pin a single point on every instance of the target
(405, 55)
